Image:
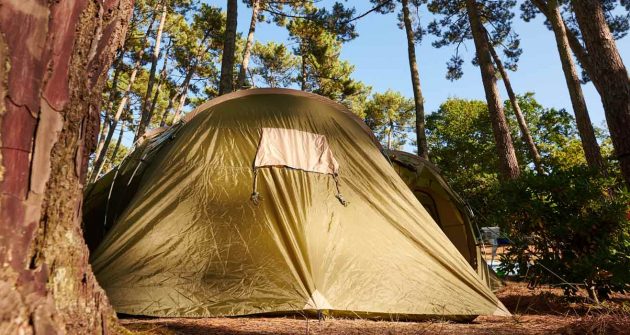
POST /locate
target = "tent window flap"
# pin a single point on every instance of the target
(295, 149)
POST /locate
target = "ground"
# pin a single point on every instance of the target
(539, 311)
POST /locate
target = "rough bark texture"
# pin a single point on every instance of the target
(522, 123)
(609, 76)
(145, 118)
(229, 48)
(421, 137)
(54, 57)
(508, 164)
(591, 148)
(248, 46)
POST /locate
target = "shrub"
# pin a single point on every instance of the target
(571, 222)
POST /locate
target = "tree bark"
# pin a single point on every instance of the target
(609, 75)
(51, 90)
(421, 137)
(242, 75)
(591, 148)
(145, 118)
(508, 163)
(522, 123)
(226, 84)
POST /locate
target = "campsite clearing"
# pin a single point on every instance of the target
(540, 311)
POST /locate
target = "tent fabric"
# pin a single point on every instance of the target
(188, 242)
(447, 208)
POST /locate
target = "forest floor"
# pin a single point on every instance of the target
(539, 311)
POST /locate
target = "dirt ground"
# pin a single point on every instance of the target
(540, 311)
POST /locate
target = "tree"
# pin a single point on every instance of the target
(460, 21)
(321, 70)
(274, 64)
(522, 124)
(507, 157)
(390, 116)
(421, 137)
(146, 113)
(609, 75)
(229, 48)
(255, 4)
(414, 33)
(551, 10)
(462, 145)
(52, 89)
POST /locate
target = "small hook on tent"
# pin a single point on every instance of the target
(255, 197)
(339, 196)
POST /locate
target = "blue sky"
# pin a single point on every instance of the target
(379, 55)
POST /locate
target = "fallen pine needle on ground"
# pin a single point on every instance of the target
(540, 311)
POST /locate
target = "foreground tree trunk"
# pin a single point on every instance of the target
(522, 123)
(508, 164)
(145, 118)
(248, 46)
(609, 75)
(229, 48)
(591, 148)
(421, 137)
(51, 89)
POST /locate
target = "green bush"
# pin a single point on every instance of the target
(571, 222)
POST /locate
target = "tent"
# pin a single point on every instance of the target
(272, 201)
(446, 207)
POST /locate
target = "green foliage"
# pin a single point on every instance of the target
(390, 115)
(451, 27)
(274, 64)
(461, 143)
(321, 70)
(572, 221)
(112, 161)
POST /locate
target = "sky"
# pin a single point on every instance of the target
(379, 55)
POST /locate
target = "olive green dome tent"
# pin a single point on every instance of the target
(446, 207)
(272, 201)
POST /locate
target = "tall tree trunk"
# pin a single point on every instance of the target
(182, 93)
(113, 94)
(421, 137)
(145, 118)
(508, 164)
(389, 135)
(100, 158)
(591, 148)
(171, 103)
(609, 75)
(303, 72)
(119, 140)
(182, 100)
(163, 75)
(51, 88)
(226, 84)
(242, 75)
(522, 123)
